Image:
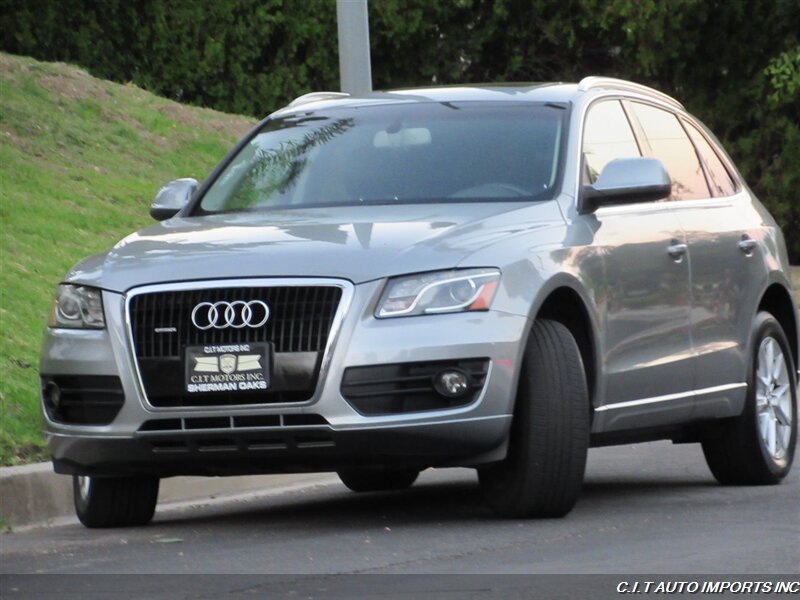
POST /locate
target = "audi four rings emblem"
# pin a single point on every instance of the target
(237, 314)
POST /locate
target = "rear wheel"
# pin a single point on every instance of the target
(543, 472)
(114, 501)
(377, 480)
(757, 447)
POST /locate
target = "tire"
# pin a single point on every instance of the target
(757, 447)
(377, 480)
(543, 472)
(114, 502)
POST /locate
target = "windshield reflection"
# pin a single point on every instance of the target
(394, 154)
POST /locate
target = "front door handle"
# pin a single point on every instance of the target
(747, 245)
(676, 251)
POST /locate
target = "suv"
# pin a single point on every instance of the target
(496, 277)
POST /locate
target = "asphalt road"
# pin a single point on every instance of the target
(646, 508)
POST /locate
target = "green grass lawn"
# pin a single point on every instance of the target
(80, 161)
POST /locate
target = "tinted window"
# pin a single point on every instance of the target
(669, 143)
(721, 182)
(607, 135)
(392, 154)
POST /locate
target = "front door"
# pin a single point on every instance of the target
(647, 354)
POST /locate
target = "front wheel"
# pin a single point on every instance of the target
(114, 501)
(757, 447)
(543, 472)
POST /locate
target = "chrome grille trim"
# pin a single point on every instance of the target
(347, 292)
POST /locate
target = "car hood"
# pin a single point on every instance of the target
(358, 243)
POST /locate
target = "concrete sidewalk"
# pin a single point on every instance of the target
(34, 495)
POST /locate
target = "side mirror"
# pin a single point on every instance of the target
(625, 181)
(172, 197)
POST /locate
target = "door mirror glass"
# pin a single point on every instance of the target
(627, 180)
(172, 197)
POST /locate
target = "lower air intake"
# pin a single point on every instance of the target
(409, 387)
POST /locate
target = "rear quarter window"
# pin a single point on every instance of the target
(722, 184)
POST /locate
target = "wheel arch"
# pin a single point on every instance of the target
(777, 301)
(563, 301)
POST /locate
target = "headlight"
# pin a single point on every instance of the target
(458, 290)
(77, 307)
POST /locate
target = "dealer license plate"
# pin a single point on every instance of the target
(238, 368)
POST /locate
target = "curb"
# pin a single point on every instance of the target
(33, 495)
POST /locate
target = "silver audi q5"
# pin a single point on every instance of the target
(496, 277)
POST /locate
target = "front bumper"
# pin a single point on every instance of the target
(466, 435)
(294, 450)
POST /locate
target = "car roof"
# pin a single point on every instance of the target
(556, 92)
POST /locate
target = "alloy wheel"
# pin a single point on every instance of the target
(773, 399)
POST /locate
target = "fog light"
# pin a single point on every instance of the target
(451, 383)
(52, 394)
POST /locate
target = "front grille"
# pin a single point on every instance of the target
(298, 328)
(82, 399)
(300, 319)
(408, 387)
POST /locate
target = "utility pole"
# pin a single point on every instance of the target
(355, 69)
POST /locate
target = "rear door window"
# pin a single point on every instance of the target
(669, 143)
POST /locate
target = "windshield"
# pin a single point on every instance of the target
(394, 154)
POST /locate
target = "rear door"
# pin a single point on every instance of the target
(721, 256)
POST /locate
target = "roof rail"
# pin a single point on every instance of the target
(590, 83)
(315, 96)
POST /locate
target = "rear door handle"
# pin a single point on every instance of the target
(747, 245)
(676, 251)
